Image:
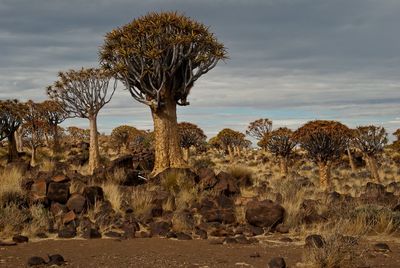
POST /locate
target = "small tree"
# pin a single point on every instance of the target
(77, 134)
(280, 143)
(325, 142)
(190, 135)
(82, 94)
(259, 128)
(54, 114)
(158, 57)
(11, 118)
(123, 135)
(230, 139)
(370, 140)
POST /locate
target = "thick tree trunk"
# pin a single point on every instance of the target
(324, 175)
(18, 139)
(186, 154)
(94, 154)
(56, 142)
(283, 166)
(12, 148)
(168, 153)
(351, 161)
(33, 156)
(373, 167)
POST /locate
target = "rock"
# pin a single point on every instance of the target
(226, 184)
(58, 192)
(241, 239)
(256, 230)
(76, 203)
(38, 190)
(113, 234)
(59, 178)
(56, 259)
(220, 209)
(207, 179)
(144, 234)
(7, 244)
(216, 241)
(382, 247)
(264, 213)
(67, 233)
(201, 233)
(396, 208)
(286, 240)
(314, 241)
(20, 239)
(58, 209)
(230, 240)
(41, 235)
(183, 236)
(91, 233)
(93, 194)
(277, 262)
(68, 217)
(283, 229)
(35, 261)
(160, 228)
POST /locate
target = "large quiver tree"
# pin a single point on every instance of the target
(11, 118)
(325, 142)
(158, 57)
(370, 140)
(82, 94)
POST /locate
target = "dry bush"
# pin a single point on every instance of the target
(141, 201)
(112, 194)
(336, 252)
(203, 162)
(40, 219)
(10, 186)
(47, 165)
(12, 220)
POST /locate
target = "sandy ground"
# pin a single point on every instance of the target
(157, 252)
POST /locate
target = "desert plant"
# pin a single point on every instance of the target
(259, 128)
(10, 186)
(190, 135)
(123, 135)
(325, 142)
(158, 57)
(231, 140)
(82, 94)
(141, 201)
(113, 194)
(370, 140)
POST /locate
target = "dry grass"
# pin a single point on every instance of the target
(141, 201)
(118, 176)
(10, 186)
(113, 194)
(12, 220)
(40, 218)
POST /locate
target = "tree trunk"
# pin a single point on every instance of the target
(94, 154)
(324, 175)
(186, 154)
(18, 139)
(283, 166)
(12, 148)
(373, 167)
(231, 153)
(168, 153)
(351, 161)
(33, 156)
(56, 141)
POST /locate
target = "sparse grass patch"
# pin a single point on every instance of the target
(241, 173)
(10, 186)
(141, 201)
(12, 220)
(113, 194)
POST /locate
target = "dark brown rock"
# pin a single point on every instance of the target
(56, 260)
(93, 194)
(160, 228)
(20, 239)
(35, 261)
(226, 184)
(76, 203)
(264, 213)
(68, 217)
(277, 262)
(58, 192)
(314, 241)
(39, 189)
(67, 233)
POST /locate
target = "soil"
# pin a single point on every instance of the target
(158, 252)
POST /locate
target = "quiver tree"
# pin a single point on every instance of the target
(123, 135)
(230, 139)
(259, 128)
(396, 143)
(324, 142)
(280, 143)
(82, 94)
(34, 128)
(158, 57)
(77, 134)
(370, 140)
(11, 118)
(190, 135)
(54, 114)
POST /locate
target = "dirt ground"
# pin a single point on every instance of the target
(157, 252)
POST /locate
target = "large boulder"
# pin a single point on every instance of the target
(220, 209)
(58, 192)
(76, 203)
(264, 213)
(207, 179)
(227, 184)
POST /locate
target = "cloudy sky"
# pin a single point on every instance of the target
(290, 60)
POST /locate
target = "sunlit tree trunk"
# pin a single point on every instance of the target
(168, 153)
(12, 148)
(33, 156)
(283, 166)
(351, 161)
(94, 154)
(231, 153)
(56, 142)
(186, 154)
(324, 175)
(373, 167)
(18, 139)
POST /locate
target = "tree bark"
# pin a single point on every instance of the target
(231, 153)
(33, 156)
(168, 153)
(94, 153)
(12, 148)
(351, 161)
(373, 167)
(186, 154)
(56, 141)
(18, 139)
(324, 175)
(283, 166)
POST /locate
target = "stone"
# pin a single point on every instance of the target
(35, 261)
(93, 194)
(76, 203)
(264, 213)
(39, 189)
(58, 209)
(59, 178)
(91, 233)
(113, 234)
(277, 262)
(226, 184)
(183, 236)
(230, 240)
(160, 228)
(201, 233)
(283, 229)
(20, 239)
(68, 217)
(314, 241)
(382, 247)
(220, 209)
(207, 179)
(56, 259)
(67, 233)
(58, 192)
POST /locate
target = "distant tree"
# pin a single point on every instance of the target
(54, 114)
(190, 135)
(11, 118)
(370, 140)
(34, 128)
(82, 94)
(215, 143)
(396, 143)
(230, 139)
(123, 135)
(78, 134)
(259, 128)
(325, 142)
(280, 143)
(158, 57)
(397, 134)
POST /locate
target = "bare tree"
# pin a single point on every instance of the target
(325, 142)
(82, 94)
(158, 57)
(280, 143)
(370, 140)
(11, 118)
(190, 135)
(259, 128)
